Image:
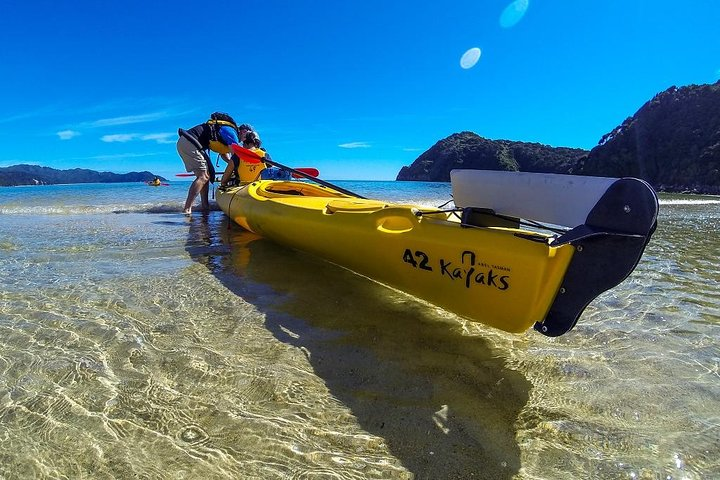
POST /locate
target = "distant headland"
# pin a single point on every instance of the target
(672, 142)
(16, 175)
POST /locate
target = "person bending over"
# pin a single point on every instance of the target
(218, 134)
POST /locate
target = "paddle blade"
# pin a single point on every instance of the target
(246, 155)
(313, 172)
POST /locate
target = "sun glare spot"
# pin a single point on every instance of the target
(513, 13)
(470, 58)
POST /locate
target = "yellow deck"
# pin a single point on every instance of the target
(488, 275)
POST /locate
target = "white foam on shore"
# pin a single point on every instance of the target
(703, 201)
(88, 209)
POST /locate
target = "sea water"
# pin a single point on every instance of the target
(136, 342)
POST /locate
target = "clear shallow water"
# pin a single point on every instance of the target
(147, 344)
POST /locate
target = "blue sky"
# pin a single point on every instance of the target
(357, 89)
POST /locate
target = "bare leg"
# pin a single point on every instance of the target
(200, 183)
(204, 197)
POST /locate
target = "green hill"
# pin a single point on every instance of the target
(37, 175)
(469, 150)
(672, 142)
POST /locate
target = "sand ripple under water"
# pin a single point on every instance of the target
(146, 344)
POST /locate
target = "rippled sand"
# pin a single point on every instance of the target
(150, 345)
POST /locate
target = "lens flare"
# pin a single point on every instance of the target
(513, 13)
(470, 58)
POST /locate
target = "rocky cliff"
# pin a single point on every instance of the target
(36, 175)
(673, 142)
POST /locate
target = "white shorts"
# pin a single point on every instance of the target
(195, 160)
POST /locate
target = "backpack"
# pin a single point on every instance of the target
(223, 117)
(220, 119)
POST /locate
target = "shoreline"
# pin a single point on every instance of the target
(712, 190)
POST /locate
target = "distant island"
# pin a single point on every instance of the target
(36, 175)
(672, 142)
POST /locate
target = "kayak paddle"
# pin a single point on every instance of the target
(314, 172)
(252, 157)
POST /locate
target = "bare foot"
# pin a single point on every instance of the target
(187, 211)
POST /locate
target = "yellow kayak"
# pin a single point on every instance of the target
(469, 261)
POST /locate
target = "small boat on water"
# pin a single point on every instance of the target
(156, 182)
(517, 250)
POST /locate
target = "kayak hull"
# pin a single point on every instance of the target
(500, 276)
(474, 260)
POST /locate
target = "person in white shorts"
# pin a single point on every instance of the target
(218, 134)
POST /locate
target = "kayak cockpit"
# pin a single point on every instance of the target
(280, 189)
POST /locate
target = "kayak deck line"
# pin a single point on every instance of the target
(491, 266)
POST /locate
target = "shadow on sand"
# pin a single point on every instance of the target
(444, 402)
